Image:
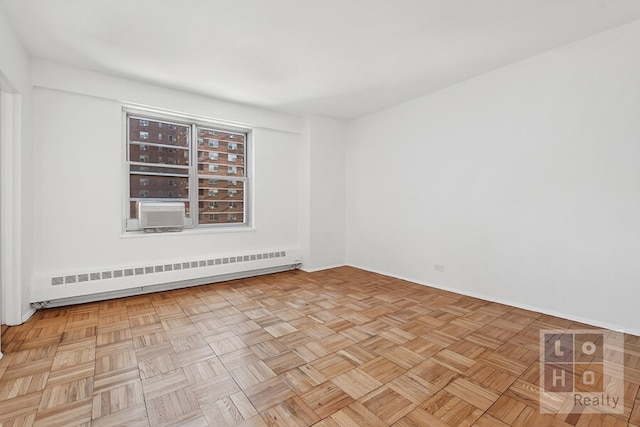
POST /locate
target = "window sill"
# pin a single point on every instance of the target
(134, 234)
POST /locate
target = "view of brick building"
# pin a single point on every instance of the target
(160, 161)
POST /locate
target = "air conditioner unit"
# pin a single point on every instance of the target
(161, 216)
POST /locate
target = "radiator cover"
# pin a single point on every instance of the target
(141, 278)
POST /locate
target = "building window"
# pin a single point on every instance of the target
(188, 174)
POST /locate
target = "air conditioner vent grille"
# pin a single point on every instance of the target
(161, 215)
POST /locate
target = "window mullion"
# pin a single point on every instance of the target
(194, 209)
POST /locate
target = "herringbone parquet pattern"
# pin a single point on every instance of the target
(342, 347)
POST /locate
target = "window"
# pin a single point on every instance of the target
(190, 177)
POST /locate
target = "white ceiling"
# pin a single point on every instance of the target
(339, 58)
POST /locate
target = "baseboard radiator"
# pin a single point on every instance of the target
(104, 284)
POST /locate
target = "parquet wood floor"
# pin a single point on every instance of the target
(341, 347)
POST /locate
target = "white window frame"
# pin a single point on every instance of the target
(195, 123)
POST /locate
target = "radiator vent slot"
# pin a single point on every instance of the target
(161, 215)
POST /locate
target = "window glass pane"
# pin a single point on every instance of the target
(220, 201)
(223, 156)
(167, 155)
(158, 187)
(152, 131)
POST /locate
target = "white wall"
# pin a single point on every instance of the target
(323, 210)
(523, 183)
(79, 172)
(15, 175)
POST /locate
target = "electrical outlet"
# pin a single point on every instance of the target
(438, 267)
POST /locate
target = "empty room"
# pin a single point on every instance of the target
(320, 213)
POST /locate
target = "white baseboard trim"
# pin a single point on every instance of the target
(568, 316)
(328, 267)
(26, 316)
